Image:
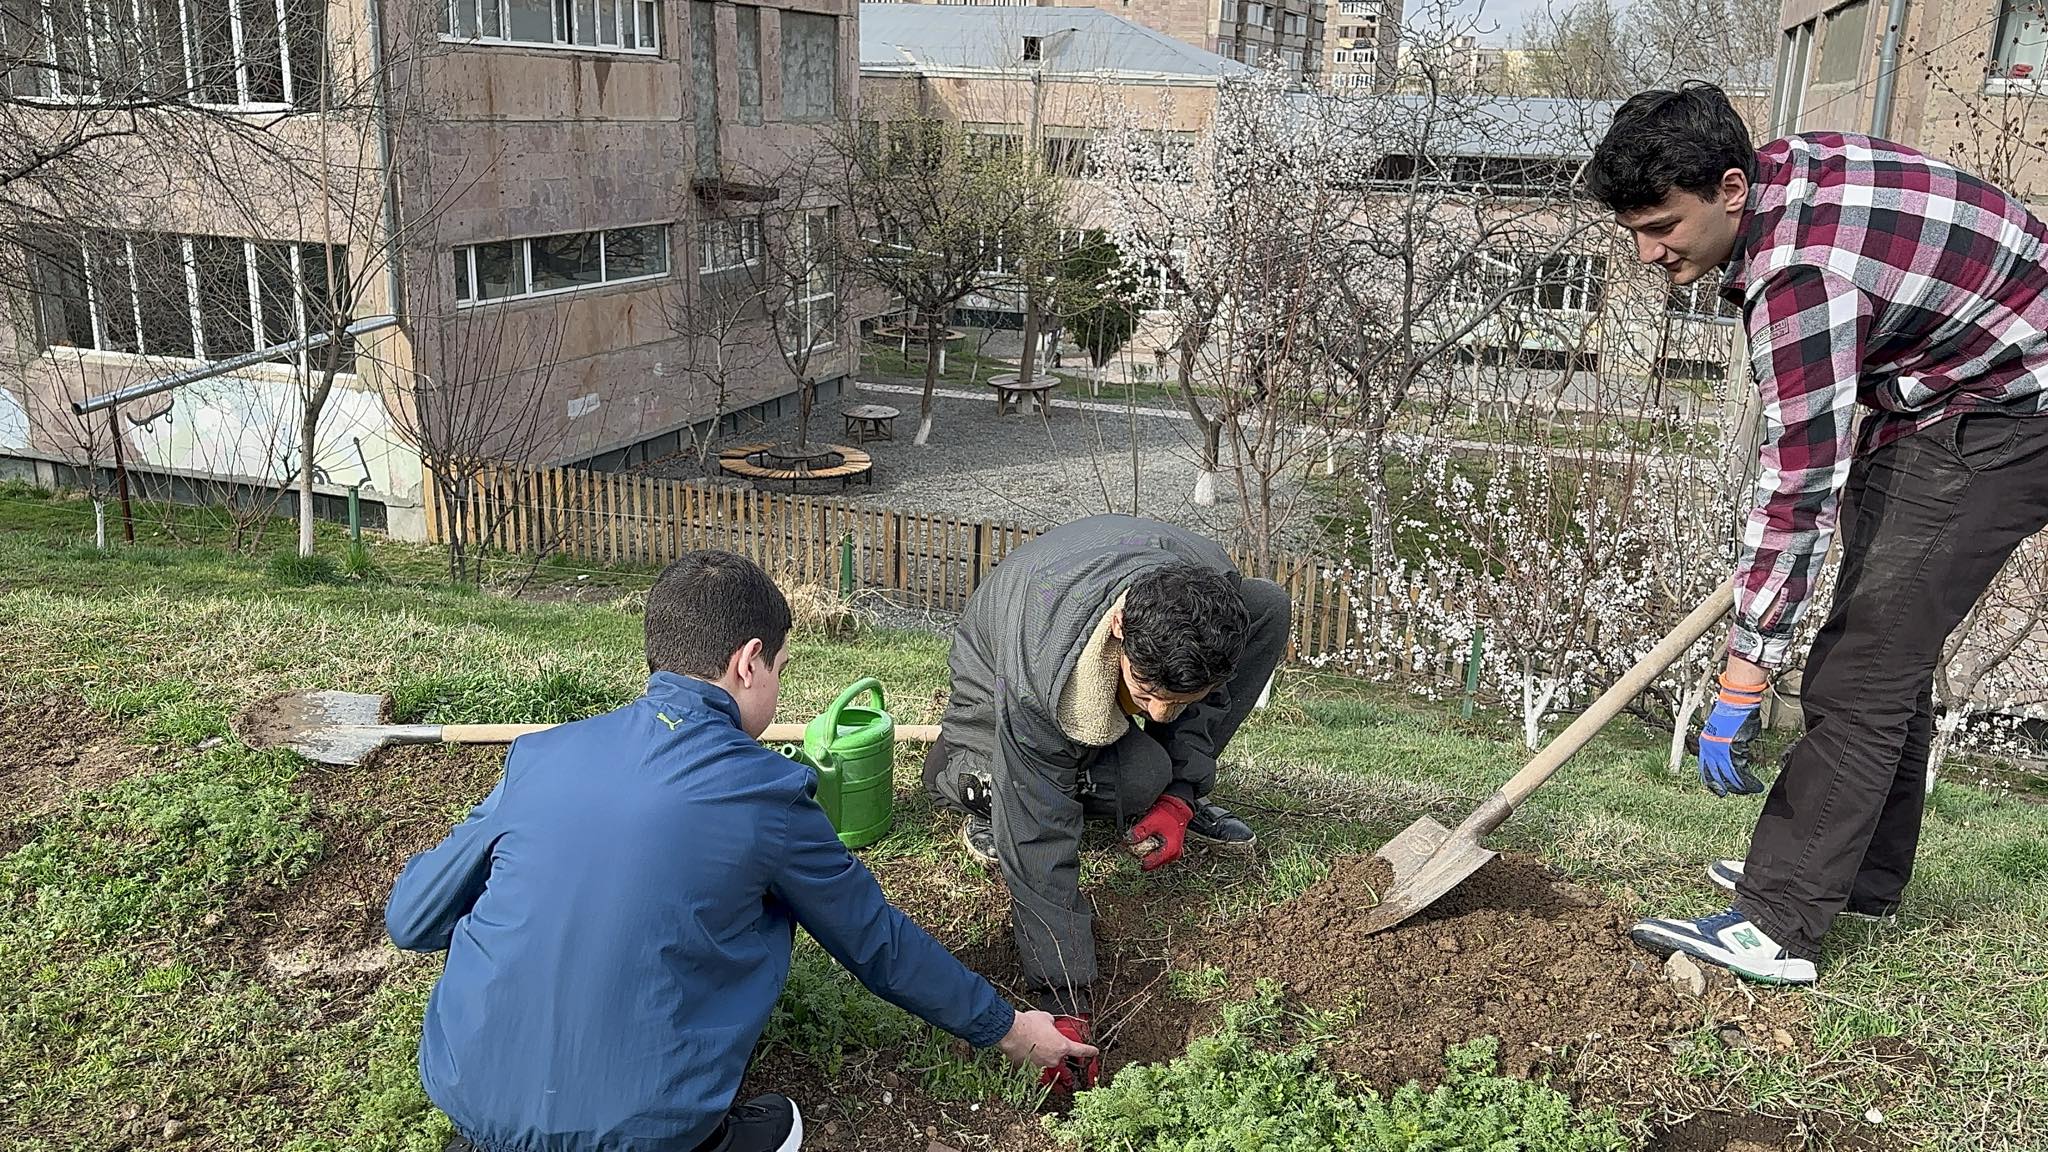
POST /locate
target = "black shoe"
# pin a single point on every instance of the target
(767, 1123)
(1221, 827)
(980, 837)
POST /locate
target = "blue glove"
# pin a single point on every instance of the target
(1724, 741)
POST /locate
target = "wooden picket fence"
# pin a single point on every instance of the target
(934, 562)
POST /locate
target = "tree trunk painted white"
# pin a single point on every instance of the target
(99, 524)
(1205, 487)
(306, 485)
(1945, 729)
(924, 431)
(1266, 693)
(1687, 709)
(1535, 705)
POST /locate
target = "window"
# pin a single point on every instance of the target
(748, 21)
(1227, 48)
(1700, 300)
(723, 245)
(1294, 24)
(618, 25)
(810, 67)
(811, 322)
(190, 297)
(1571, 282)
(1359, 8)
(1845, 43)
(1068, 156)
(226, 53)
(2021, 51)
(1229, 12)
(1790, 98)
(1255, 14)
(561, 263)
(1251, 53)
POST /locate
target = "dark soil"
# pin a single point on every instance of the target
(1514, 952)
(327, 931)
(51, 748)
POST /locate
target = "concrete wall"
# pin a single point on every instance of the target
(1945, 104)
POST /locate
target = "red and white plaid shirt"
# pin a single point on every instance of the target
(1868, 272)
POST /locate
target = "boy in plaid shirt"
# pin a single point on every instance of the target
(1867, 274)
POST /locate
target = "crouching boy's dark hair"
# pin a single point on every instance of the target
(1184, 627)
(707, 605)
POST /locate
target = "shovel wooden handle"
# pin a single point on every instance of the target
(776, 733)
(1592, 720)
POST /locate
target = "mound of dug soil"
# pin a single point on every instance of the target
(51, 748)
(1514, 952)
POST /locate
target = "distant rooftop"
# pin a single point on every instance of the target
(922, 37)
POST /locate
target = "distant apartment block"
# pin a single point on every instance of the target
(1361, 43)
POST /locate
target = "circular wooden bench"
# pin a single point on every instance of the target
(865, 422)
(853, 464)
(1012, 390)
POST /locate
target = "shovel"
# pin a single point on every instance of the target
(1429, 861)
(345, 728)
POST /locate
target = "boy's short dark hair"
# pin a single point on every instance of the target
(1184, 627)
(705, 606)
(1665, 139)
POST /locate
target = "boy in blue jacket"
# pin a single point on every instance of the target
(618, 913)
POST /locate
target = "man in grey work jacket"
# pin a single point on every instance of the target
(1099, 671)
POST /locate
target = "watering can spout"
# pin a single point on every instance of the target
(854, 752)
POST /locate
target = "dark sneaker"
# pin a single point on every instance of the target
(980, 837)
(1729, 940)
(767, 1123)
(1728, 873)
(1221, 827)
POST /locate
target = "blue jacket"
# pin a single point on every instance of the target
(618, 915)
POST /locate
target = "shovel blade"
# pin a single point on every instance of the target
(333, 728)
(1428, 861)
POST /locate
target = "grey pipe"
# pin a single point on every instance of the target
(307, 343)
(1887, 69)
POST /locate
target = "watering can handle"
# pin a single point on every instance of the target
(864, 684)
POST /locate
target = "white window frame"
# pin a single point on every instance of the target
(2035, 24)
(727, 243)
(188, 273)
(643, 16)
(465, 260)
(818, 285)
(53, 94)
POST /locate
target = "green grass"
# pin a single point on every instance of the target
(116, 991)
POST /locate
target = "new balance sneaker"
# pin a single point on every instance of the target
(980, 837)
(1728, 873)
(1729, 940)
(1220, 827)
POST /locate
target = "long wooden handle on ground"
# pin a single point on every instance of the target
(776, 733)
(1612, 701)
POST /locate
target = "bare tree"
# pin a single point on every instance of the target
(800, 276)
(482, 414)
(932, 222)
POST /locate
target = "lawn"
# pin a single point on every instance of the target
(190, 951)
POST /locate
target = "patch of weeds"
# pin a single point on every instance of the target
(554, 696)
(1233, 1091)
(167, 711)
(1293, 872)
(357, 564)
(947, 1073)
(2022, 861)
(824, 1013)
(291, 570)
(1196, 985)
(160, 852)
(19, 489)
(369, 1098)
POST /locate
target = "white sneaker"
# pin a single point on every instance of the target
(1729, 940)
(1727, 874)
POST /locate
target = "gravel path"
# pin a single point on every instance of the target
(1033, 471)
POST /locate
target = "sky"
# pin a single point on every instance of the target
(1507, 16)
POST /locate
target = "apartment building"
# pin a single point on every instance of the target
(538, 190)
(1961, 81)
(1284, 35)
(1361, 43)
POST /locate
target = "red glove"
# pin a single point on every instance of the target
(1166, 825)
(1075, 1074)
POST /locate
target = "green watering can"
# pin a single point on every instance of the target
(854, 752)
